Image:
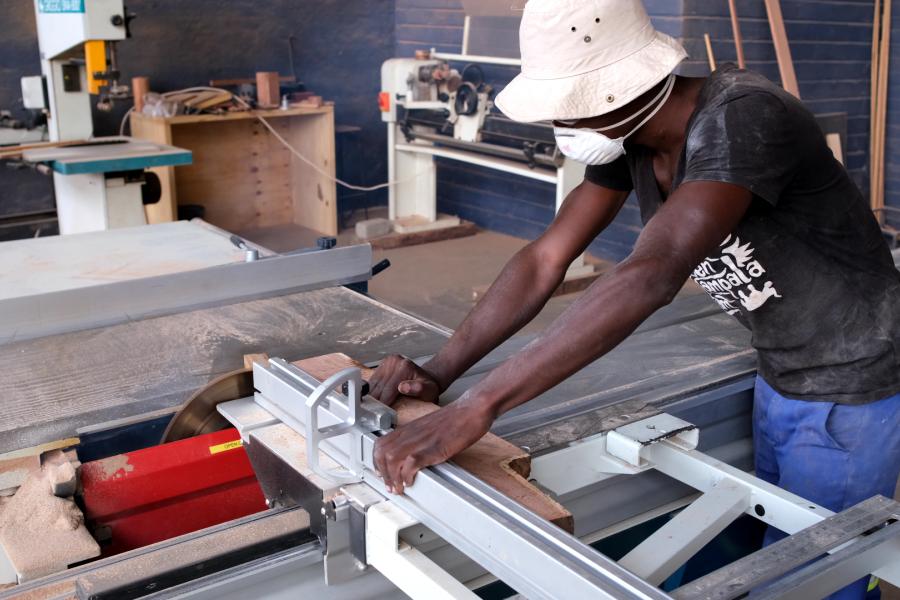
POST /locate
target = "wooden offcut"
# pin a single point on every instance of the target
(782, 47)
(140, 86)
(402, 240)
(268, 89)
(491, 459)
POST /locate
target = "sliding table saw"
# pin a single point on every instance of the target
(659, 425)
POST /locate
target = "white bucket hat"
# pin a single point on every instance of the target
(585, 58)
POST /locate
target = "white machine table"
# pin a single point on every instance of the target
(103, 184)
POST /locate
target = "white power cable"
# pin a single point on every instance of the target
(281, 139)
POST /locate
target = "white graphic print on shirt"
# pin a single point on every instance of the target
(733, 277)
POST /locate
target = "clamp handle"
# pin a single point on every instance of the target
(352, 378)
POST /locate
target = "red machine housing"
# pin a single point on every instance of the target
(150, 495)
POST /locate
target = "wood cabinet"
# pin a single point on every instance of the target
(242, 175)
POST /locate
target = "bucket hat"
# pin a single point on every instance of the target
(585, 58)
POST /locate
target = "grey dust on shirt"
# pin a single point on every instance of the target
(807, 269)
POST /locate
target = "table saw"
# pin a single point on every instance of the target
(660, 425)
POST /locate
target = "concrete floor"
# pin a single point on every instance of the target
(435, 281)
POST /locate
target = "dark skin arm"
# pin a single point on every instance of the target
(515, 298)
(690, 225)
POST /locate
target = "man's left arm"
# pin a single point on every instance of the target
(687, 228)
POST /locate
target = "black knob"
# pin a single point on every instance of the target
(326, 243)
(381, 266)
(117, 20)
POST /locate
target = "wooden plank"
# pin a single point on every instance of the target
(247, 81)
(709, 53)
(873, 103)
(39, 449)
(244, 115)
(313, 190)
(213, 101)
(782, 47)
(415, 238)
(738, 38)
(834, 143)
(881, 112)
(16, 151)
(492, 459)
(158, 130)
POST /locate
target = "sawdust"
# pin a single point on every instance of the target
(60, 475)
(41, 533)
(112, 466)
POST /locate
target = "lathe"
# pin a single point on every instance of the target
(263, 485)
(433, 110)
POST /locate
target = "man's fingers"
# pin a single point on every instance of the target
(389, 393)
(423, 389)
(412, 388)
(394, 466)
(381, 462)
(376, 382)
(408, 470)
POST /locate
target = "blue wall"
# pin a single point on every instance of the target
(21, 191)
(831, 46)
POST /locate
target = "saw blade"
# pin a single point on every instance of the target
(198, 415)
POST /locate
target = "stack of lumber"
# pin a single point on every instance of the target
(203, 100)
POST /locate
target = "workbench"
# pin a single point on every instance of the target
(242, 175)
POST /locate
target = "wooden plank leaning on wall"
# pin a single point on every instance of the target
(881, 56)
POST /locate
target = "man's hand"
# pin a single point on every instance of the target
(429, 440)
(398, 376)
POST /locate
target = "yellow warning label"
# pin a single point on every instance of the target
(225, 447)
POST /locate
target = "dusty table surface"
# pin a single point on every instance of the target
(64, 262)
(57, 384)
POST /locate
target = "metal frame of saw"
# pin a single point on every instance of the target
(360, 525)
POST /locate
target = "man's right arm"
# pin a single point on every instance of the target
(523, 288)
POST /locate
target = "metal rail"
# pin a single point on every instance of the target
(531, 555)
(535, 557)
(517, 546)
(64, 311)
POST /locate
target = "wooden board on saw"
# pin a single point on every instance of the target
(492, 459)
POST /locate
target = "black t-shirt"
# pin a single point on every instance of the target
(807, 269)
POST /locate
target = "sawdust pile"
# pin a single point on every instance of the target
(42, 533)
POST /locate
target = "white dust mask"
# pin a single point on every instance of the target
(591, 147)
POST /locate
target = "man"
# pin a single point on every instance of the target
(738, 189)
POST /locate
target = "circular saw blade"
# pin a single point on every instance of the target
(198, 415)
